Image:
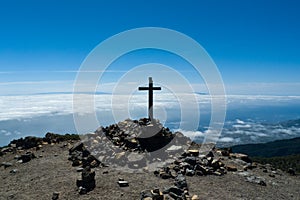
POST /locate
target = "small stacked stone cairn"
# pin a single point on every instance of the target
(87, 181)
(84, 161)
(80, 156)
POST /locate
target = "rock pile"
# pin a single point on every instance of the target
(191, 163)
(37, 142)
(26, 143)
(135, 144)
(194, 163)
(137, 135)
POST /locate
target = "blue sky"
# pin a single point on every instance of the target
(255, 44)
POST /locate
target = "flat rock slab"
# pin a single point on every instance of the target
(123, 183)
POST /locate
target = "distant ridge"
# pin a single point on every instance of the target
(270, 149)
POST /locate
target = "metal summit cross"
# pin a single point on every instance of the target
(150, 89)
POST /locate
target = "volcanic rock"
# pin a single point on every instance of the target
(26, 143)
(87, 181)
(27, 157)
(6, 164)
(291, 171)
(241, 156)
(180, 181)
(231, 168)
(55, 195)
(123, 183)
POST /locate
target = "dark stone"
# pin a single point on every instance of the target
(77, 147)
(194, 152)
(76, 163)
(123, 183)
(216, 164)
(180, 181)
(156, 172)
(210, 159)
(55, 195)
(6, 164)
(26, 143)
(231, 168)
(201, 169)
(27, 157)
(199, 173)
(226, 151)
(189, 172)
(175, 196)
(145, 194)
(153, 194)
(13, 171)
(210, 154)
(85, 153)
(191, 160)
(174, 190)
(87, 182)
(79, 183)
(51, 138)
(165, 175)
(79, 169)
(82, 190)
(291, 171)
(90, 161)
(263, 183)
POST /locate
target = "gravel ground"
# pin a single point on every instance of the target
(52, 172)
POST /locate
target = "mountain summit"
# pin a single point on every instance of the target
(63, 167)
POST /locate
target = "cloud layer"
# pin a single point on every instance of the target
(245, 115)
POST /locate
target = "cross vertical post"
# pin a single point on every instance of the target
(150, 89)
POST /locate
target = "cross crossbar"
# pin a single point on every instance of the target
(150, 89)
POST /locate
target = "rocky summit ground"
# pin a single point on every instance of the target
(49, 171)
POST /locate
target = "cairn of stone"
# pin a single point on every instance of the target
(135, 143)
(82, 159)
(80, 156)
(87, 181)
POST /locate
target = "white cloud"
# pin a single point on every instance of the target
(27, 106)
(226, 139)
(17, 133)
(191, 134)
(240, 121)
(166, 104)
(5, 132)
(242, 126)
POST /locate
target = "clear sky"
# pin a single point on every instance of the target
(255, 43)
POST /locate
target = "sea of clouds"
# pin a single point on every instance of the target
(250, 119)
